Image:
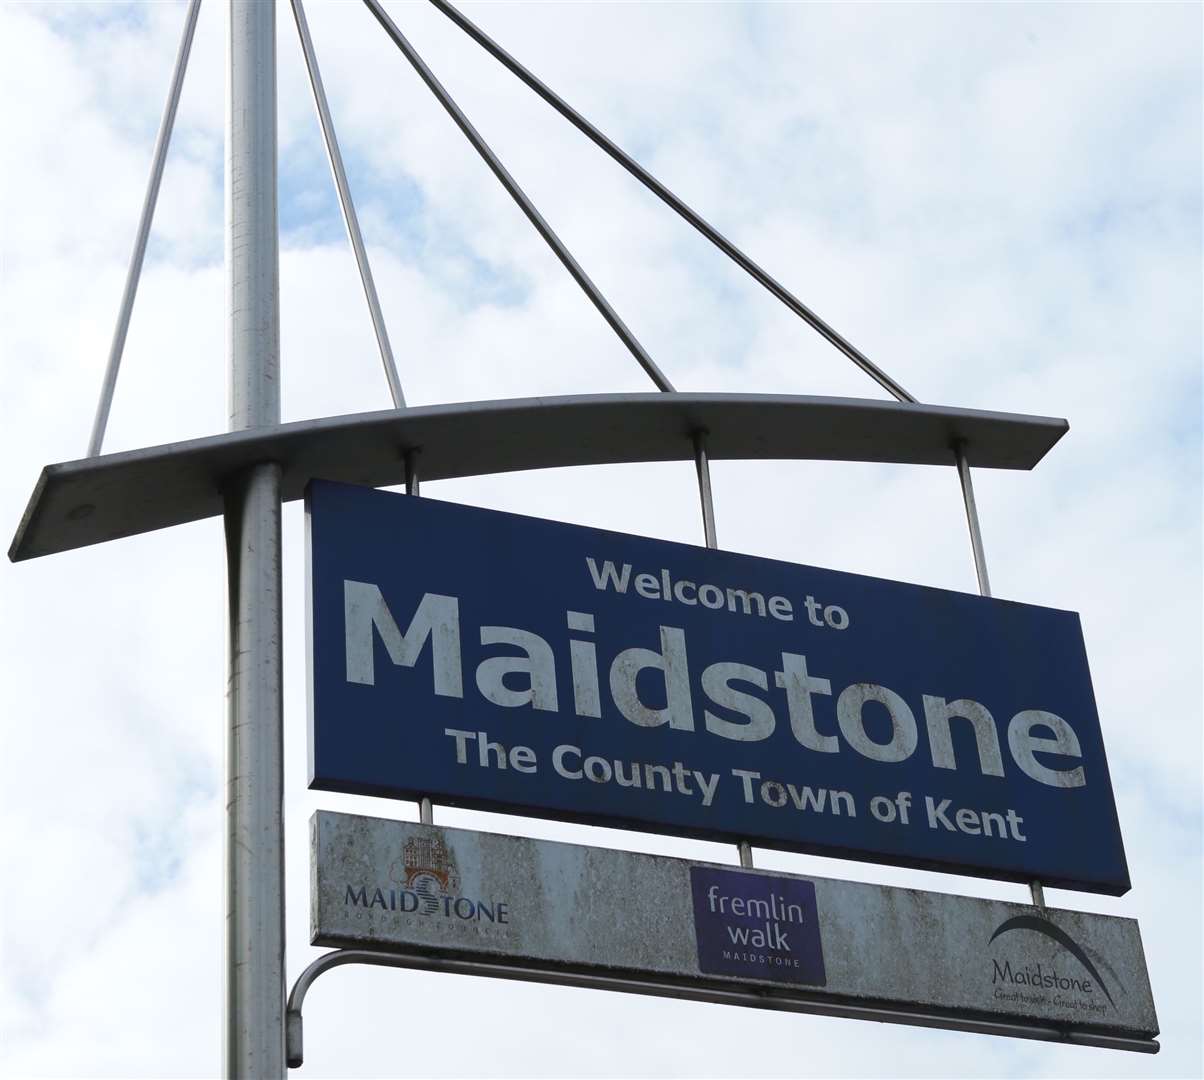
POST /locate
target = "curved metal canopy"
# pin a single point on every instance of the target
(77, 503)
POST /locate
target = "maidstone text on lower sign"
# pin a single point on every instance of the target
(512, 663)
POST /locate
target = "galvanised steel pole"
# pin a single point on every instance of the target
(255, 986)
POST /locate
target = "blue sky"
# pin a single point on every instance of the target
(1000, 204)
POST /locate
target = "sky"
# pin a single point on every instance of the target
(999, 204)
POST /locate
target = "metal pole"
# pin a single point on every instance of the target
(134, 271)
(519, 196)
(255, 975)
(984, 582)
(347, 206)
(673, 202)
(702, 466)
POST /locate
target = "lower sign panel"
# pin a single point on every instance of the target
(824, 944)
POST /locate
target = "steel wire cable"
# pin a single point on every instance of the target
(108, 384)
(673, 202)
(516, 192)
(335, 158)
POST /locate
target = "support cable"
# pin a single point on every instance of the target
(673, 202)
(508, 182)
(347, 205)
(134, 271)
(984, 583)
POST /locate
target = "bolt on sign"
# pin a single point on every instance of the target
(844, 948)
(509, 663)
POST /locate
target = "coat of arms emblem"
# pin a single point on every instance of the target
(427, 868)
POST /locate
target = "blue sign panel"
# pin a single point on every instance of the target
(757, 926)
(510, 663)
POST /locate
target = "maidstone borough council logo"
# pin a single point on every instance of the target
(428, 868)
(1082, 987)
(425, 881)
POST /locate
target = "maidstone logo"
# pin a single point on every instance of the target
(1038, 984)
(428, 868)
(426, 881)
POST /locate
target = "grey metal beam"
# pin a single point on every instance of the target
(77, 503)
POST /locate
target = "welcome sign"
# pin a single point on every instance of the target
(510, 663)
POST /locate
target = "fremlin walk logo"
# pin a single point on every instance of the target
(756, 926)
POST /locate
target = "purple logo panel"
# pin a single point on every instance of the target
(756, 926)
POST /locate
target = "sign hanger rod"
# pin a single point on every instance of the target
(984, 582)
(980, 558)
(702, 465)
(426, 809)
(348, 206)
(672, 201)
(526, 205)
(134, 271)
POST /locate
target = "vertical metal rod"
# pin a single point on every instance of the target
(426, 811)
(411, 467)
(254, 974)
(348, 207)
(702, 466)
(984, 582)
(134, 271)
(519, 196)
(980, 559)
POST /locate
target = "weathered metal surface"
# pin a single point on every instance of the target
(77, 503)
(530, 666)
(637, 917)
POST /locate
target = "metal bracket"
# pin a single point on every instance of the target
(768, 998)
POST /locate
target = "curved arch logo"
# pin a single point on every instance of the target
(1077, 988)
